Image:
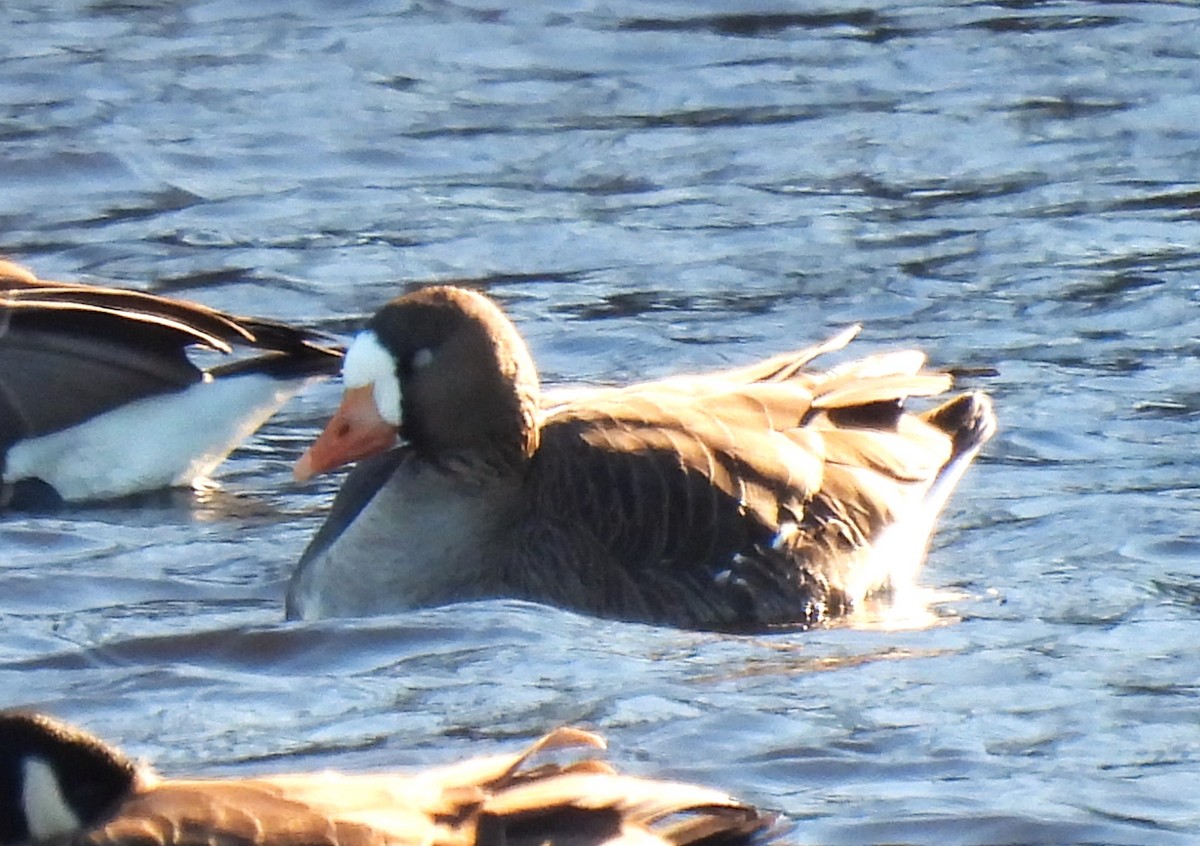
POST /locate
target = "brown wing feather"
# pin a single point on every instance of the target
(781, 481)
(780, 368)
(13, 275)
(507, 799)
(235, 813)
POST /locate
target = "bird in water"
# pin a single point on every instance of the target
(767, 495)
(61, 785)
(99, 398)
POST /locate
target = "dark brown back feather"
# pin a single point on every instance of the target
(738, 499)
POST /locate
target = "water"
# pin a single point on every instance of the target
(649, 188)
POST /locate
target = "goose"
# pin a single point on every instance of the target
(744, 499)
(99, 400)
(59, 784)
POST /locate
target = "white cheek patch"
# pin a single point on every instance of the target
(47, 814)
(368, 363)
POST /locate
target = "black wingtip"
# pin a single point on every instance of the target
(303, 362)
(969, 419)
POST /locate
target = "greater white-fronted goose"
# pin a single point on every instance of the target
(737, 500)
(98, 398)
(61, 785)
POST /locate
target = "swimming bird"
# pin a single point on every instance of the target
(61, 785)
(99, 399)
(741, 499)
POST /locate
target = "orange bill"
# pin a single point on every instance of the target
(356, 431)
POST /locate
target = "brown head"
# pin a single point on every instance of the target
(443, 369)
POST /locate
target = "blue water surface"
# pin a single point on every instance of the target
(649, 188)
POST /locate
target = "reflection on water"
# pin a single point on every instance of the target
(652, 188)
(913, 608)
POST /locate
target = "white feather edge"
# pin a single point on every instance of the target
(897, 554)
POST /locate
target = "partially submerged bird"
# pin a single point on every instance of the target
(61, 785)
(741, 499)
(98, 398)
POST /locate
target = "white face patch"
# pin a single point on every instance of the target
(367, 362)
(47, 813)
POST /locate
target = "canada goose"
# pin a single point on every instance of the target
(740, 499)
(98, 398)
(61, 785)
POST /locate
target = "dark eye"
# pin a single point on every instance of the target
(418, 360)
